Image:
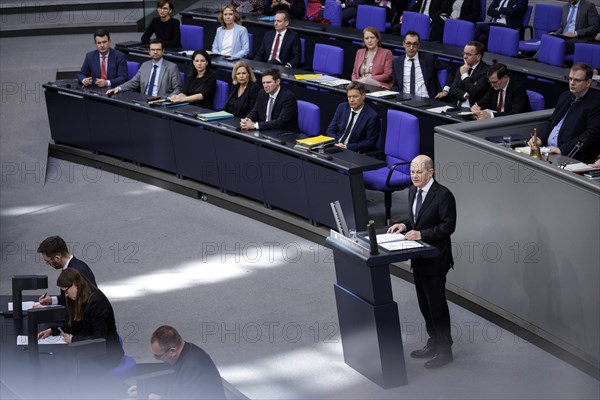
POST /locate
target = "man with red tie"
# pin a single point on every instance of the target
(282, 46)
(103, 67)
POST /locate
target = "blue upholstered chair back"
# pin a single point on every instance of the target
(309, 118)
(132, 69)
(192, 37)
(458, 32)
(401, 138)
(503, 41)
(328, 59)
(588, 53)
(370, 16)
(546, 19)
(333, 12)
(414, 21)
(221, 95)
(552, 51)
(536, 100)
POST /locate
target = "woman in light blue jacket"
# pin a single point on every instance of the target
(231, 38)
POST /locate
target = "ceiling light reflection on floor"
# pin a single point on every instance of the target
(25, 210)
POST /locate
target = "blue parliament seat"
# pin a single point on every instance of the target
(546, 19)
(309, 118)
(132, 69)
(402, 142)
(333, 12)
(192, 37)
(503, 41)
(221, 95)
(328, 59)
(458, 32)
(370, 16)
(414, 21)
(536, 100)
(552, 51)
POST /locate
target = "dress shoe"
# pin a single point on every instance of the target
(426, 352)
(439, 360)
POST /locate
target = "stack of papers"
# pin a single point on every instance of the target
(301, 77)
(23, 340)
(213, 116)
(395, 241)
(314, 141)
(383, 94)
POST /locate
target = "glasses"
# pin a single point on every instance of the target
(411, 44)
(469, 54)
(576, 80)
(494, 82)
(160, 356)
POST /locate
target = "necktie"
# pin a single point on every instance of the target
(419, 203)
(348, 128)
(570, 18)
(276, 47)
(470, 72)
(412, 76)
(423, 7)
(270, 108)
(500, 101)
(103, 67)
(152, 79)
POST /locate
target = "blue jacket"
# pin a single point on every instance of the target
(240, 47)
(116, 69)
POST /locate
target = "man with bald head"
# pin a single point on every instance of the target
(432, 218)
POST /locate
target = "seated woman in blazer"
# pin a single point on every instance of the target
(90, 317)
(200, 83)
(244, 91)
(231, 38)
(373, 64)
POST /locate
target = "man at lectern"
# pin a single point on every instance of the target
(432, 218)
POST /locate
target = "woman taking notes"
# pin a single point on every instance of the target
(231, 38)
(200, 83)
(373, 64)
(90, 317)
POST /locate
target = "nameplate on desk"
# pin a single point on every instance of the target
(70, 94)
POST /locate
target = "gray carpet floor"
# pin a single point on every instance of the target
(258, 299)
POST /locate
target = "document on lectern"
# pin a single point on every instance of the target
(388, 237)
(23, 340)
(401, 245)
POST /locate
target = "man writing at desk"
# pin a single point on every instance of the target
(157, 77)
(276, 107)
(355, 125)
(576, 118)
(104, 67)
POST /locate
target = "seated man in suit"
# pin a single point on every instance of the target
(276, 107)
(281, 46)
(157, 77)
(579, 23)
(470, 83)
(506, 96)
(415, 72)
(103, 67)
(576, 118)
(355, 125)
(431, 218)
(507, 13)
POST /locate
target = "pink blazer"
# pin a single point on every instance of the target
(382, 66)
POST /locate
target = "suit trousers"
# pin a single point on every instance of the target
(431, 295)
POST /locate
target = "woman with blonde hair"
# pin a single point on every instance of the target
(231, 38)
(373, 64)
(244, 91)
(90, 317)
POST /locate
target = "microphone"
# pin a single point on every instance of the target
(571, 154)
(372, 238)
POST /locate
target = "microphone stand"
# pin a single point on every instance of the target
(571, 154)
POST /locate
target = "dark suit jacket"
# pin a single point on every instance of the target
(429, 66)
(581, 123)
(435, 7)
(241, 106)
(116, 69)
(469, 11)
(436, 222)
(169, 80)
(84, 270)
(284, 114)
(290, 53)
(98, 323)
(476, 85)
(365, 133)
(513, 11)
(296, 11)
(196, 376)
(516, 100)
(586, 21)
